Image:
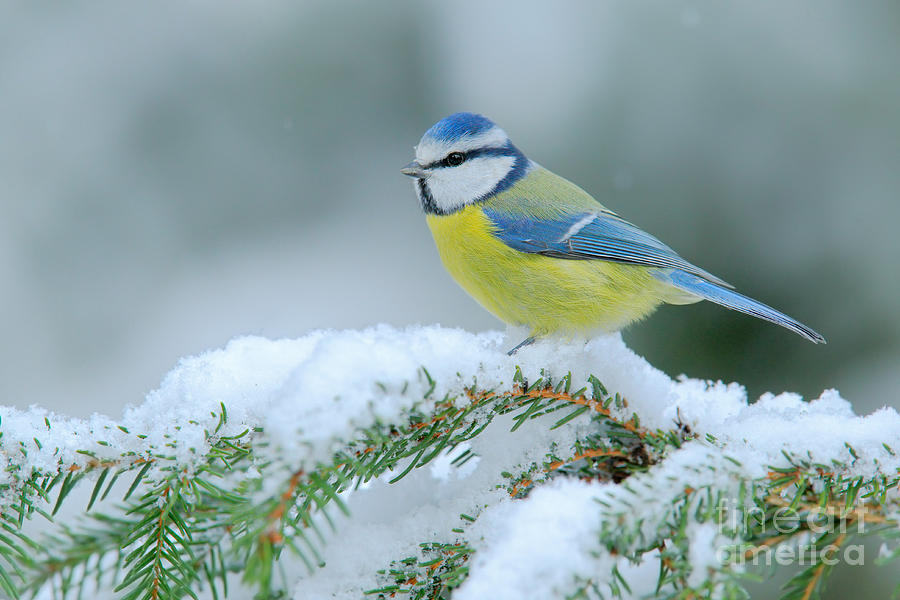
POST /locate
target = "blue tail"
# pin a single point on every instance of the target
(731, 299)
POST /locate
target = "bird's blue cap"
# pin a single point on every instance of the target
(458, 125)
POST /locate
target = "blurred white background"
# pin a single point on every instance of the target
(178, 173)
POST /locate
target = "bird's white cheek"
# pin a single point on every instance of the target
(456, 187)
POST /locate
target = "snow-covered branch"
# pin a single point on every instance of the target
(426, 461)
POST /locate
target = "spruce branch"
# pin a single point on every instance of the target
(167, 521)
(815, 496)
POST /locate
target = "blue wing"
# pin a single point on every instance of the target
(603, 235)
(600, 235)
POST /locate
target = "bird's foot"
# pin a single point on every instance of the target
(526, 342)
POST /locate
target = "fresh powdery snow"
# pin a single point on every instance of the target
(311, 393)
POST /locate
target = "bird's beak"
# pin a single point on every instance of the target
(414, 169)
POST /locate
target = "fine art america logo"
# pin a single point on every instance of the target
(805, 535)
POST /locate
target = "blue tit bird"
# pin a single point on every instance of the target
(538, 251)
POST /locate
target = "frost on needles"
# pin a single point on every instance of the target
(425, 463)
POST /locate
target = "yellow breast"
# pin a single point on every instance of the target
(549, 295)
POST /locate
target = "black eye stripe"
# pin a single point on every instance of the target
(444, 162)
(503, 151)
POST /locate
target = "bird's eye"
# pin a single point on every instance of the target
(455, 158)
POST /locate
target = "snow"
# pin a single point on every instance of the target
(538, 545)
(311, 394)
